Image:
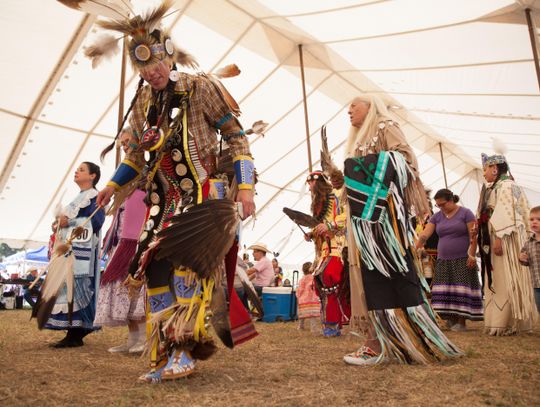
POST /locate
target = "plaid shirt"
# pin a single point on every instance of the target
(532, 248)
(206, 111)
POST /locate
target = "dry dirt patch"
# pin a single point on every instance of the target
(282, 367)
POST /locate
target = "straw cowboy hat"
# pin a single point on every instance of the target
(259, 246)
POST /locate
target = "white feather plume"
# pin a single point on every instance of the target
(499, 146)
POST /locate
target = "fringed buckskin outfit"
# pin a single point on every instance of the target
(508, 295)
(382, 184)
(329, 273)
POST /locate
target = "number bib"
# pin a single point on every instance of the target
(85, 236)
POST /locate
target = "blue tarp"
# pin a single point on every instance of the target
(38, 254)
(35, 257)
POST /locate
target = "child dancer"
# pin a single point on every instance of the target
(309, 305)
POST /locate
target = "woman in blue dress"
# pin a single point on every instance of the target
(86, 263)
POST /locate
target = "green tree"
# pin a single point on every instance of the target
(6, 251)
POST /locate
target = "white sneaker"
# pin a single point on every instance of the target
(120, 348)
(364, 356)
(138, 347)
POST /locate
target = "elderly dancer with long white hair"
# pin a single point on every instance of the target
(383, 193)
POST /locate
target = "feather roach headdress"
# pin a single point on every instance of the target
(147, 43)
(330, 169)
(499, 156)
(115, 9)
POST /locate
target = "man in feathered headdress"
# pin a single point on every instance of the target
(329, 240)
(177, 118)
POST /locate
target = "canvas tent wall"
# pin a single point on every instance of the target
(456, 74)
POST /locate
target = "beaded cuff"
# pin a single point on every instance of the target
(224, 120)
(229, 136)
(217, 188)
(126, 171)
(244, 171)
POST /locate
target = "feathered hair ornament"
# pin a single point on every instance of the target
(228, 71)
(105, 47)
(148, 44)
(115, 9)
(499, 157)
(259, 127)
(332, 172)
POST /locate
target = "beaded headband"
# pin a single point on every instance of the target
(315, 175)
(493, 159)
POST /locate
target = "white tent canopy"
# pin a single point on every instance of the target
(457, 75)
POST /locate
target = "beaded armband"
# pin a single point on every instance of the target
(244, 171)
(223, 120)
(126, 171)
(229, 136)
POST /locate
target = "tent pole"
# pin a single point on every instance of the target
(532, 36)
(300, 52)
(443, 166)
(478, 181)
(121, 99)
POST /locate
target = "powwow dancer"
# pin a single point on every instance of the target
(189, 228)
(503, 225)
(329, 240)
(73, 305)
(381, 180)
(116, 305)
(309, 304)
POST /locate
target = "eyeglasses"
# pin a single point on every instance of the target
(441, 205)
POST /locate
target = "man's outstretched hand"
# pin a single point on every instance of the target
(104, 196)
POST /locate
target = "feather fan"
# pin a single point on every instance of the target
(220, 316)
(59, 272)
(301, 218)
(327, 164)
(200, 237)
(249, 289)
(115, 9)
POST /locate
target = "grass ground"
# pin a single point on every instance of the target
(281, 367)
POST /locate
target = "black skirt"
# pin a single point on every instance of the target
(398, 291)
